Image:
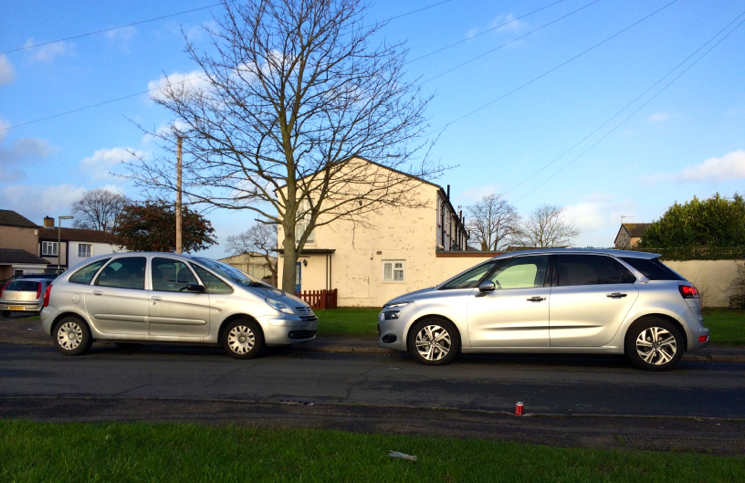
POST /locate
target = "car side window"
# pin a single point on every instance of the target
(470, 279)
(212, 283)
(126, 272)
(591, 270)
(521, 272)
(86, 274)
(170, 275)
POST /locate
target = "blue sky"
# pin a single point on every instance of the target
(689, 141)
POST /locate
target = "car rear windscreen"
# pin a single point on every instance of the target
(652, 268)
(22, 286)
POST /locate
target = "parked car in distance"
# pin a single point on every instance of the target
(138, 297)
(22, 295)
(552, 301)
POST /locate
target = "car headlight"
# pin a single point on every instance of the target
(391, 315)
(280, 306)
(395, 304)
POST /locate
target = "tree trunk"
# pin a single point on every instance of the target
(290, 257)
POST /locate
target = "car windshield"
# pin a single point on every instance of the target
(230, 273)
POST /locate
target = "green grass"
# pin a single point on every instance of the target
(727, 326)
(188, 453)
(350, 322)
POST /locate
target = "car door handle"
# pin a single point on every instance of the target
(536, 299)
(97, 292)
(616, 295)
(156, 298)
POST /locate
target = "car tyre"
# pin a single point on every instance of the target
(72, 337)
(5, 314)
(242, 339)
(654, 344)
(434, 341)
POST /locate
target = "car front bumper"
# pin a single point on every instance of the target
(287, 330)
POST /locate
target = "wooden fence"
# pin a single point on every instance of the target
(319, 299)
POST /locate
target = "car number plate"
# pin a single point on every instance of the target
(313, 326)
(16, 307)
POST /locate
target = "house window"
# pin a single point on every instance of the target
(84, 250)
(394, 271)
(49, 249)
(303, 221)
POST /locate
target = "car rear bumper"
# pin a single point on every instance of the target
(20, 306)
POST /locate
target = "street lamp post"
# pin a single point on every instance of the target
(59, 239)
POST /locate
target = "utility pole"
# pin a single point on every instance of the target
(179, 244)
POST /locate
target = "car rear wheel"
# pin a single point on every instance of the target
(72, 336)
(654, 345)
(434, 342)
(242, 339)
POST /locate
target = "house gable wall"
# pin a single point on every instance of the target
(18, 237)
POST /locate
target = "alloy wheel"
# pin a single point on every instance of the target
(433, 342)
(656, 346)
(241, 339)
(69, 336)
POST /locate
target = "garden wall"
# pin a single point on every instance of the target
(716, 280)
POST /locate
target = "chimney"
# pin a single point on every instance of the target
(448, 192)
(48, 222)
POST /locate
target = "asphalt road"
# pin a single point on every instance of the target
(553, 385)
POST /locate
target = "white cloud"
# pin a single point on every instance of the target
(22, 151)
(658, 117)
(728, 167)
(475, 193)
(472, 32)
(7, 74)
(3, 126)
(197, 33)
(49, 51)
(513, 26)
(34, 202)
(105, 161)
(181, 83)
(121, 36)
(598, 218)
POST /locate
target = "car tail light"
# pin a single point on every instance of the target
(46, 295)
(38, 290)
(688, 291)
(4, 287)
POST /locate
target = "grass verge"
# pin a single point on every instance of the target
(189, 453)
(727, 326)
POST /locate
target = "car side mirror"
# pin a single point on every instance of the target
(193, 287)
(487, 286)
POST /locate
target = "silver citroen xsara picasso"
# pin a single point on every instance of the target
(139, 297)
(552, 301)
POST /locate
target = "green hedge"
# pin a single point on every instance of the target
(697, 253)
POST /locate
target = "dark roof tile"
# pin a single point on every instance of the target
(78, 234)
(636, 229)
(11, 218)
(13, 255)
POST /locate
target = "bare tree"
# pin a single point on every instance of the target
(259, 239)
(493, 222)
(98, 209)
(292, 93)
(546, 227)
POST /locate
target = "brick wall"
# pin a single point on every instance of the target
(20, 238)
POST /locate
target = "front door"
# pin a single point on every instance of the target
(173, 310)
(590, 301)
(298, 277)
(516, 313)
(117, 302)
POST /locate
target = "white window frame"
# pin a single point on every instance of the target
(49, 249)
(302, 223)
(393, 263)
(90, 250)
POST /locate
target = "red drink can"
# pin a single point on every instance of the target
(519, 409)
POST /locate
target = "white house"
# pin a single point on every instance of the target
(75, 245)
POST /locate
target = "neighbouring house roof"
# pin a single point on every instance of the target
(244, 256)
(11, 218)
(22, 257)
(77, 234)
(635, 230)
(311, 251)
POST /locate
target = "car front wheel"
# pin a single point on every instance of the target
(242, 339)
(654, 345)
(72, 336)
(434, 342)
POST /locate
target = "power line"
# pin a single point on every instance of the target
(522, 86)
(633, 113)
(109, 29)
(626, 106)
(417, 10)
(510, 42)
(482, 33)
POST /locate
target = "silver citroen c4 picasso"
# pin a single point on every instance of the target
(552, 301)
(138, 297)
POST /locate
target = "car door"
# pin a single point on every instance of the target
(117, 302)
(174, 311)
(589, 300)
(516, 313)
